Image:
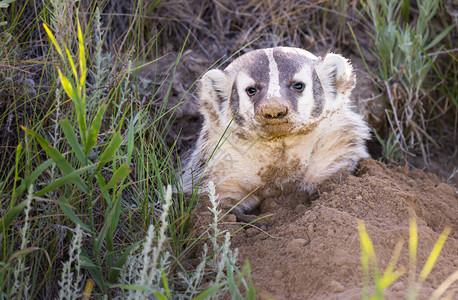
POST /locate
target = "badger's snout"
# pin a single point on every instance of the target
(272, 111)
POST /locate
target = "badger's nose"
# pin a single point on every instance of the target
(273, 111)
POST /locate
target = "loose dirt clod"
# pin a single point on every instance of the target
(316, 254)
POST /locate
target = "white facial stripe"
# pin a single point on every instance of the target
(306, 101)
(246, 106)
(274, 84)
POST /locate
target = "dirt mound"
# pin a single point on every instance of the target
(311, 250)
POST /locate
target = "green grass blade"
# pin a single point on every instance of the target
(130, 142)
(110, 222)
(103, 188)
(440, 36)
(86, 261)
(95, 129)
(119, 175)
(165, 283)
(413, 243)
(235, 293)
(359, 49)
(109, 151)
(82, 81)
(53, 40)
(395, 256)
(72, 139)
(210, 291)
(69, 88)
(72, 64)
(434, 253)
(388, 278)
(251, 293)
(16, 172)
(97, 275)
(63, 180)
(33, 176)
(68, 211)
(10, 215)
(58, 158)
(363, 238)
(114, 272)
(160, 296)
(81, 49)
(94, 270)
(116, 213)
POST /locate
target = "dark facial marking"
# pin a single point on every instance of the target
(219, 93)
(288, 65)
(333, 78)
(257, 67)
(234, 104)
(318, 95)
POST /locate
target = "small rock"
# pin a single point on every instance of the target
(310, 230)
(230, 218)
(338, 222)
(447, 189)
(296, 244)
(250, 232)
(330, 232)
(336, 287)
(311, 218)
(261, 253)
(301, 209)
(278, 274)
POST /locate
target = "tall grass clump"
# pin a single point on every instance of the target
(84, 208)
(379, 282)
(419, 90)
(147, 272)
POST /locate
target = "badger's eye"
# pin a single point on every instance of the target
(298, 86)
(251, 91)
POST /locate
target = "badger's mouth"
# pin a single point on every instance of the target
(277, 128)
(285, 128)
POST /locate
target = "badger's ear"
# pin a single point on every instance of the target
(215, 85)
(336, 74)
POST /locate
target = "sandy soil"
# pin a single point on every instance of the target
(311, 249)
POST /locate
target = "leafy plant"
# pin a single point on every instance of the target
(87, 169)
(403, 52)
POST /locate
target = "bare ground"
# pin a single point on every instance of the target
(312, 251)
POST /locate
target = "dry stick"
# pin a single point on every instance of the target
(395, 115)
(392, 128)
(455, 127)
(417, 127)
(422, 147)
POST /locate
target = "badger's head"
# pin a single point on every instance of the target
(275, 92)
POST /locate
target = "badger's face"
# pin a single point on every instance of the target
(276, 92)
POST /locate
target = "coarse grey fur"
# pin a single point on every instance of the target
(275, 120)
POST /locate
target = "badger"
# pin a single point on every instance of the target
(276, 121)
